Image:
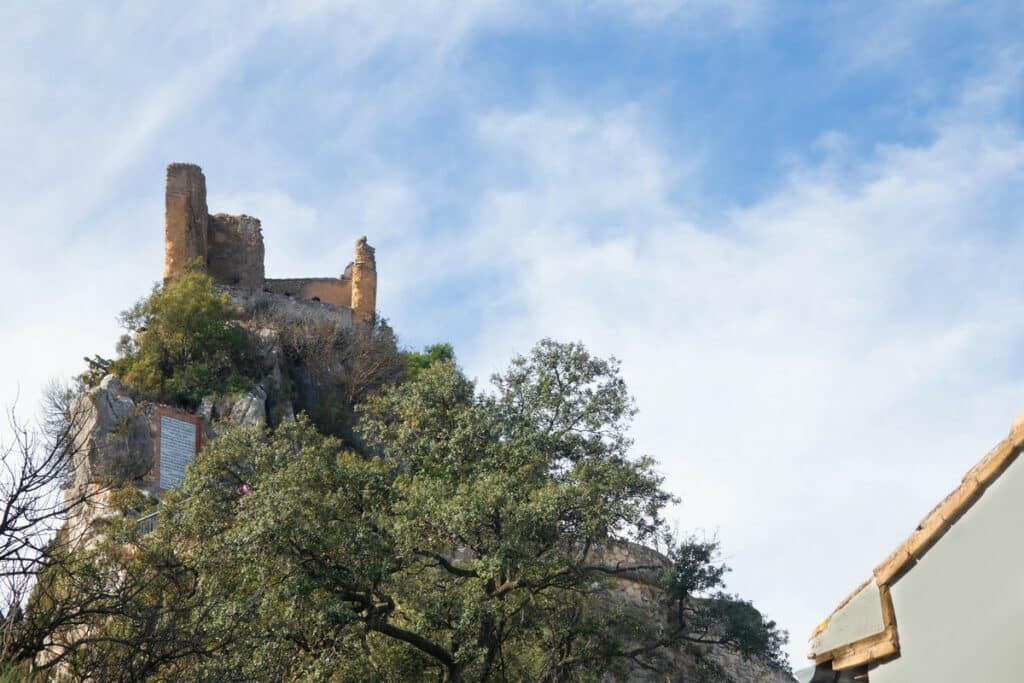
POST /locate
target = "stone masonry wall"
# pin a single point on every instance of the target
(186, 219)
(329, 290)
(235, 250)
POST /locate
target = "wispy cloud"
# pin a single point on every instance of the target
(798, 360)
(824, 362)
(733, 14)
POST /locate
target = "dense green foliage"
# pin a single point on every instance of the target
(418, 361)
(473, 536)
(12, 674)
(360, 552)
(471, 546)
(184, 343)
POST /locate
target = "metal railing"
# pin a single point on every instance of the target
(146, 525)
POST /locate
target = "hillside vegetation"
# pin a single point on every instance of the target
(387, 519)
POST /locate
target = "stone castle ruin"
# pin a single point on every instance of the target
(126, 438)
(230, 249)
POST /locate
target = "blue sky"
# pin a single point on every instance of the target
(797, 224)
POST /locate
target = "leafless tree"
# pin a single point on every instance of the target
(35, 460)
(96, 606)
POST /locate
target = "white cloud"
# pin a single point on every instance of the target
(814, 370)
(735, 13)
(901, 37)
(94, 102)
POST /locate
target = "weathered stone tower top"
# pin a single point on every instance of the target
(364, 281)
(186, 219)
(230, 249)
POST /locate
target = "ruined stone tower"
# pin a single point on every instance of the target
(185, 218)
(364, 281)
(230, 249)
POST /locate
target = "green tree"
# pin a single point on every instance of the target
(479, 536)
(479, 543)
(184, 343)
(418, 361)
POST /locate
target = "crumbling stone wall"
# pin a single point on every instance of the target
(235, 250)
(230, 248)
(329, 290)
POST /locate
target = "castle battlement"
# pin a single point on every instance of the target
(230, 249)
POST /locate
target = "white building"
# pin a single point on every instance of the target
(948, 604)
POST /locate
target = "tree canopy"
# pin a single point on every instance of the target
(184, 343)
(472, 534)
(417, 361)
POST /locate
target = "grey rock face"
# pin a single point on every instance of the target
(267, 343)
(637, 596)
(248, 409)
(113, 445)
(114, 440)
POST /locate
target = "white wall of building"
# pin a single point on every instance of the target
(960, 611)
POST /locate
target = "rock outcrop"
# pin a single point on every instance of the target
(113, 445)
(636, 597)
(705, 663)
(116, 438)
(249, 408)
